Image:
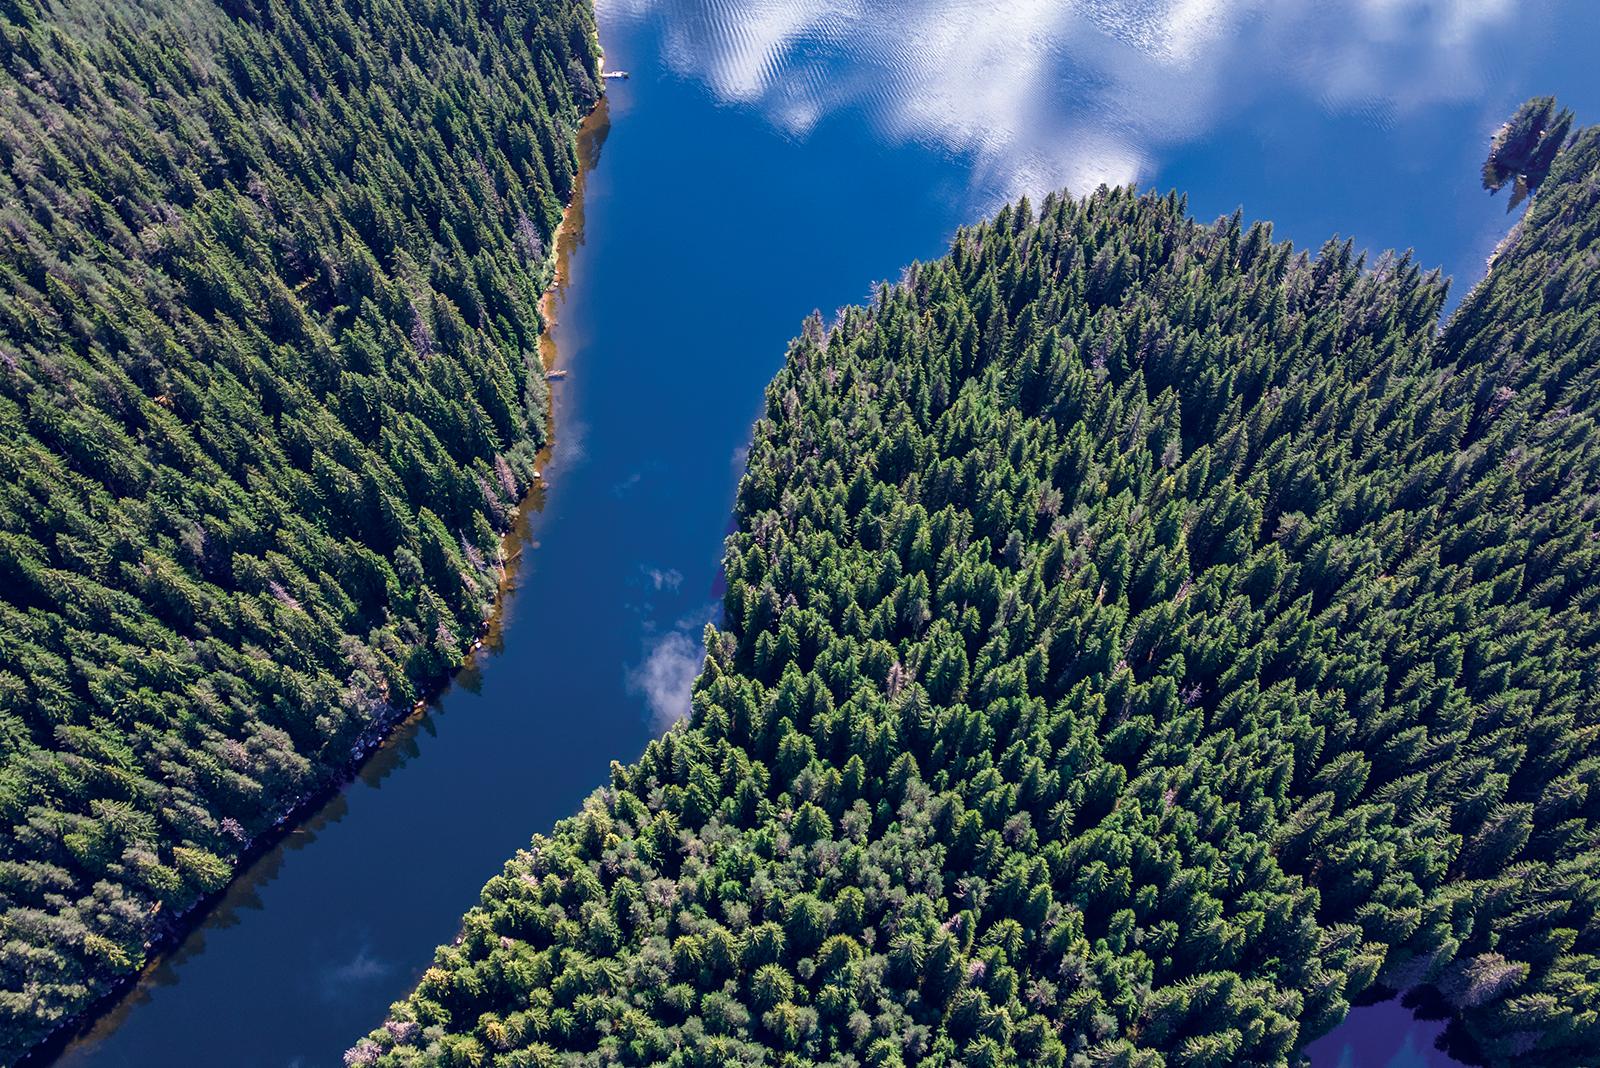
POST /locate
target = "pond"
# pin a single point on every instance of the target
(766, 158)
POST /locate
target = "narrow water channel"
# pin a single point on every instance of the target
(762, 160)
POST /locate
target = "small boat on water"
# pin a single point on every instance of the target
(621, 75)
(556, 375)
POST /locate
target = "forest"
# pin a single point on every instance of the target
(1141, 641)
(270, 274)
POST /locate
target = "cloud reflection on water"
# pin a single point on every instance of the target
(666, 678)
(1049, 93)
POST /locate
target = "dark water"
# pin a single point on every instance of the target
(1385, 1035)
(767, 158)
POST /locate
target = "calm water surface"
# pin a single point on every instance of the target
(764, 159)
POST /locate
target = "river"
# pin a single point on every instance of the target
(765, 159)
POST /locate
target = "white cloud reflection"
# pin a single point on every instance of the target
(666, 678)
(1050, 93)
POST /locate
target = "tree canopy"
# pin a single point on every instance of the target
(1141, 639)
(269, 284)
(1522, 149)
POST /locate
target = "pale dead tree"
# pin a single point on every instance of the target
(899, 678)
(529, 243)
(508, 481)
(421, 330)
(362, 1054)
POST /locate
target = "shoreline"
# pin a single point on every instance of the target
(298, 813)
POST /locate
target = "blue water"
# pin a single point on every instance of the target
(763, 160)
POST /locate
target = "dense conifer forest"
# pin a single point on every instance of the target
(269, 391)
(1141, 640)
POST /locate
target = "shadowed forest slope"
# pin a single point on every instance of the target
(268, 392)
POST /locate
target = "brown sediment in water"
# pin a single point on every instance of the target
(569, 233)
(568, 239)
(380, 753)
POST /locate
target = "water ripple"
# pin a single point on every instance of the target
(1049, 93)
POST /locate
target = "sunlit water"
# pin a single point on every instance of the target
(766, 158)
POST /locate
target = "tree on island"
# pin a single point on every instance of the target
(1522, 149)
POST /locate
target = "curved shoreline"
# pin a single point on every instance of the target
(106, 1013)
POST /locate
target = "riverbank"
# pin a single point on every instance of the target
(311, 809)
(568, 237)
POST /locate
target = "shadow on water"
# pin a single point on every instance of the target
(1385, 1029)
